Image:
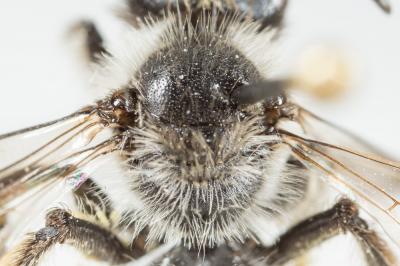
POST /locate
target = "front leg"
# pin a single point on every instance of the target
(384, 4)
(340, 219)
(63, 228)
(90, 40)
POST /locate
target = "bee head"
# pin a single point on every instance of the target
(191, 86)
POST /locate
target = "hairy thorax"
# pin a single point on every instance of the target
(202, 192)
(197, 193)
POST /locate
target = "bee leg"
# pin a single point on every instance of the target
(90, 40)
(2, 224)
(275, 19)
(63, 228)
(2, 220)
(93, 201)
(384, 5)
(341, 218)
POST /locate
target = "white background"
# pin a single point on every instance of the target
(41, 79)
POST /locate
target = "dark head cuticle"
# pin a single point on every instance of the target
(191, 87)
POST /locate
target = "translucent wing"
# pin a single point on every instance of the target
(319, 129)
(34, 158)
(371, 180)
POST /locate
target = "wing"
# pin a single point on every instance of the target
(372, 181)
(320, 129)
(35, 158)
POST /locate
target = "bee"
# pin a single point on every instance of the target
(197, 156)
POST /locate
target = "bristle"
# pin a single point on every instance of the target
(203, 197)
(205, 204)
(121, 68)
